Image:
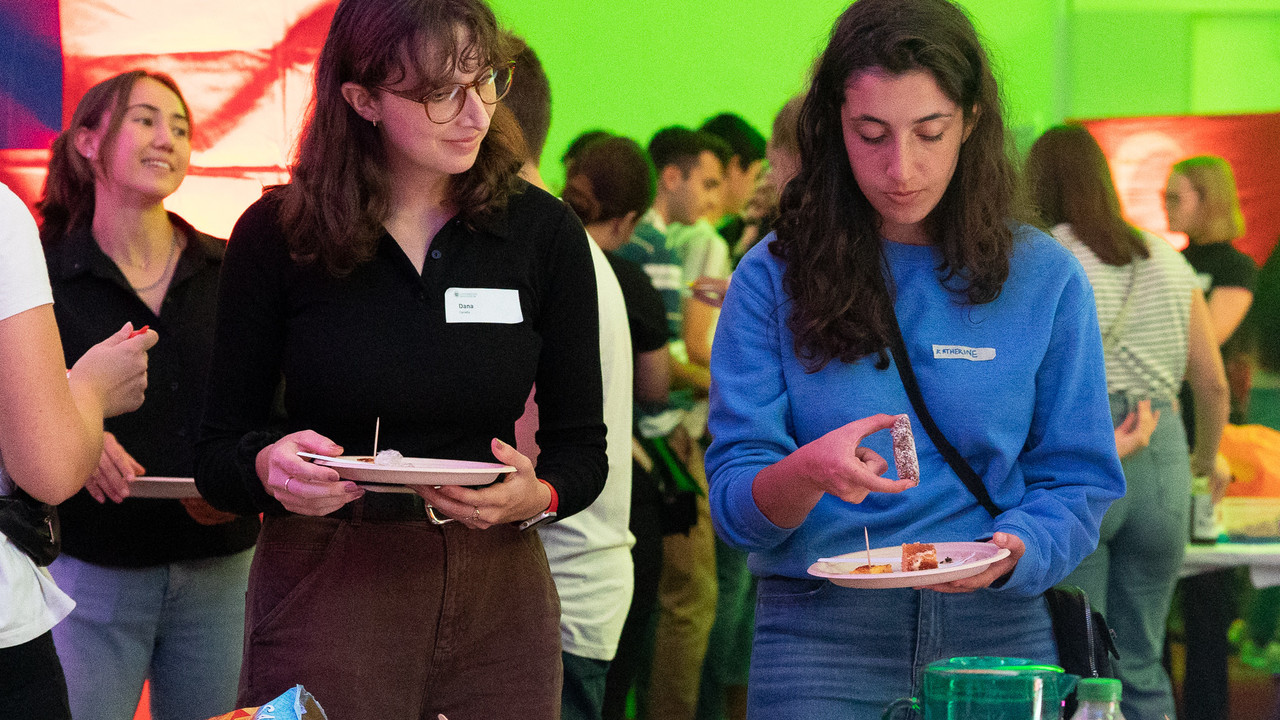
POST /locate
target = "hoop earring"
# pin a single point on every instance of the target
(375, 124)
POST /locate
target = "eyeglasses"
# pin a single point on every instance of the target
(445, 103)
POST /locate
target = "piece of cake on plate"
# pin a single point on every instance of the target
(919, 556)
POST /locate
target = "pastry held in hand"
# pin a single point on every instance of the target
(904, 451)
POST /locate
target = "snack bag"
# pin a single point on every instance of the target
(295, 704)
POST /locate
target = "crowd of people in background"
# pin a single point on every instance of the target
(684, 359)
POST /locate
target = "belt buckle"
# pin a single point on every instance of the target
(437, 519)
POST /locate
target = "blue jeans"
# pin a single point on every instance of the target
(1130, 577)
(180, 624)
(826, 652)
(582, 697)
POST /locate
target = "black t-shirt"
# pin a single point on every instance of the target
(1221, 265)
(386, 341)
(646, 315)
(92, 299)
(1217, 265)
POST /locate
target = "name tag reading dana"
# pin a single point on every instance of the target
(482, 305)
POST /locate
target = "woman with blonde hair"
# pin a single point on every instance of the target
(1201, 201)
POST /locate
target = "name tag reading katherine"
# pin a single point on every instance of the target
(960, 352)
(482, 305)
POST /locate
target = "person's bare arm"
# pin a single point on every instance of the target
(51, 427)
(699, 323)
(653, 376)
(1208, 383)
(1227, 308)
(690, 375)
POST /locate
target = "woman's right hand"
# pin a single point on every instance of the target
(834, 464)
(115, 370)
(841, 466)
(302, 486)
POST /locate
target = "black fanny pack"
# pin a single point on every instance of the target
(31, 525)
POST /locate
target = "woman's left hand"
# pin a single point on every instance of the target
(517, 498)
(994, 572)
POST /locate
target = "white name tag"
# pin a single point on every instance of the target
(960, 352)
(482, 305)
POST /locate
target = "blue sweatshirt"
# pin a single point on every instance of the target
(1017, 385)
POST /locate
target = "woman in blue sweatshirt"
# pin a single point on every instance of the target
(902, 206)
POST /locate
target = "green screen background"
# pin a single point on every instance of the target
(634, 66)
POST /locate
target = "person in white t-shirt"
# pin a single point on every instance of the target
(50, 440)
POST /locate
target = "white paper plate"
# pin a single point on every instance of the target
(170, 488)
(412, 471)
(967, 559)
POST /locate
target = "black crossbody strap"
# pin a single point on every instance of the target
(952, 456)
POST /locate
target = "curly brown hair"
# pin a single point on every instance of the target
(338, 196)
(67, 200)
(828, 233)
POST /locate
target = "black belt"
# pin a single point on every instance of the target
(388, 507)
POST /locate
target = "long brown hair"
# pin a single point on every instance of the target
(828, 232)
(339, 192)
(67, 200)
(1070, 182)
(1212, 178)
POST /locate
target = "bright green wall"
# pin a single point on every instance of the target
(634, 66)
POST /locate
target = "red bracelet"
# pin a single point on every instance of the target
(555, 497)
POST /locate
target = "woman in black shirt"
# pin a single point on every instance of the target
(1201, 201)
(350, 283)
(158, 583)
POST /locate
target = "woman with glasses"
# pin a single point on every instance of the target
(158, 583)
(903, 208)
(405, 279)
(1156, 331)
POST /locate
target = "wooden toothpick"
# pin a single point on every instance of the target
(377, 425)
(867, 536)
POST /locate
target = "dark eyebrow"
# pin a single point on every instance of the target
(154, 109)
(917, 121)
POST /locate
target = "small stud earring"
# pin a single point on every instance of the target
(375, 124)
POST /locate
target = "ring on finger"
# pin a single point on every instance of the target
(286, 483)
(475, 515)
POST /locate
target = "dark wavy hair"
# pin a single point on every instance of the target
(67, 200)
(339, 193)
(1069, 181)
(828, 232)
(609, 178)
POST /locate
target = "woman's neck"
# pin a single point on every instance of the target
(134, 235)
(418, 210)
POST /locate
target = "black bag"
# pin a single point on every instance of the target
(1086, 646)
(676, 488)
(31, 525)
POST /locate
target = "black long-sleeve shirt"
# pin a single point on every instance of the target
(92, 299)
(377, 344)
